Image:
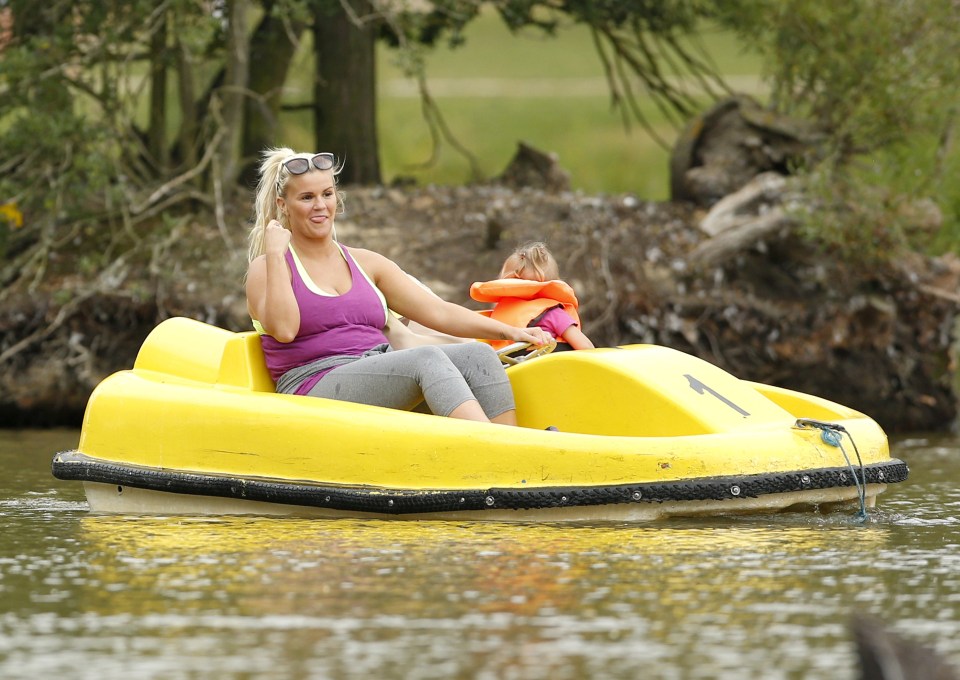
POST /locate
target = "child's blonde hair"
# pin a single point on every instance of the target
(532, 261)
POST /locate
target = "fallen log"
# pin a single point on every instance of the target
(738, 235)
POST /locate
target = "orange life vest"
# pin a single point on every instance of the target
(519, 301)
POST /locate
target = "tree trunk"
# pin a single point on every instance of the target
(187, 90)
(272, 49)
(157, 130)
(233, 95)
(345, 102)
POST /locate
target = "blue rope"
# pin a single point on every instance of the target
(832, 434)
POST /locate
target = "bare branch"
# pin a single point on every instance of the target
(439, 128)
(166, 188)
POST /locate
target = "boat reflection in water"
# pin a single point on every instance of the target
(369, 569)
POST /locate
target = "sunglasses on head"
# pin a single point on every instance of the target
(299, 165)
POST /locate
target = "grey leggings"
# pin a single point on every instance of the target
(443, 376)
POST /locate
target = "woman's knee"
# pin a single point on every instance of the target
(489, 362)
(484, 350)
(431, 353)
(477, 354)
(429, 365)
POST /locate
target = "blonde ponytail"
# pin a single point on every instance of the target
(265, 203)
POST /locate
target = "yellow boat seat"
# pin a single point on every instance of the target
(217, 356)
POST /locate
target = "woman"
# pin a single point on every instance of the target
(322, 309)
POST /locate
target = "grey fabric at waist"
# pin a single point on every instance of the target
(292, 379)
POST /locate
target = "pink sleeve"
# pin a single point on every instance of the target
(556, 322)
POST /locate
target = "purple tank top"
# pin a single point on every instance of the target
(330, 325)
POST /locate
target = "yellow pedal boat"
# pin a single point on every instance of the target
(645, 432)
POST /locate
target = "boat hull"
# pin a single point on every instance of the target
(113, 488)
(645, 431)
(105, 498)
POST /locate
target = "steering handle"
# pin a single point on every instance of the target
(506, 353)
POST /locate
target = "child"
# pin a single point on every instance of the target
(529, 293)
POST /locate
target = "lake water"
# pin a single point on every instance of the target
(86, 596)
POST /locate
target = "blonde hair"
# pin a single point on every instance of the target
(531, 261)
(273, 184)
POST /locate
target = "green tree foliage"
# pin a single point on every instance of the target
(76, 160)
(114, 114)
(881, 79)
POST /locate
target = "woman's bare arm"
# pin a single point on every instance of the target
(270, 298)
(411, 300)
(401, 337)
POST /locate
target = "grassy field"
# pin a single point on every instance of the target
(499, 89)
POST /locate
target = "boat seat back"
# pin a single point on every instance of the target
(638, 390)
(193, 350)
